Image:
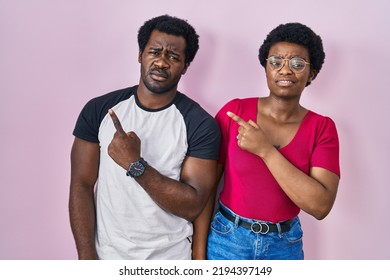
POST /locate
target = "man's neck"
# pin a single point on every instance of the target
(152, 100)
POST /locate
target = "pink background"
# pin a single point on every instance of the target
(56, 55)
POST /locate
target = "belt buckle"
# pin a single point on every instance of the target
(260, 227)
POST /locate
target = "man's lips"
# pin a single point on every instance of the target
(158, 75)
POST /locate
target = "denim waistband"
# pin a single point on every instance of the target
(256, 226)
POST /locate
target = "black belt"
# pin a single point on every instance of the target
(257, 227)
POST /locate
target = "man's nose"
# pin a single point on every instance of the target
(161, 62)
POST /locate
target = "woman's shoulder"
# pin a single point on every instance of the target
(317, 116)
(238, 102)
(240, 106)
(319, 120)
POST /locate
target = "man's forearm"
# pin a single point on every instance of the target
(173, 196)
(82, 219)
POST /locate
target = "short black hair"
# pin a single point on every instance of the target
(296, 33)
(173, 26)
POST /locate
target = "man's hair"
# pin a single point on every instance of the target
(296, 33)
(172, 26)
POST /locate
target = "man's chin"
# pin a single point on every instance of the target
(159, 89)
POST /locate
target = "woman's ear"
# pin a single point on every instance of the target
(313, 74)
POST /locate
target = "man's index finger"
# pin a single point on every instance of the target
(115, 120)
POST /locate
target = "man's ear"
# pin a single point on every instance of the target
(185, 68)
(139, 56)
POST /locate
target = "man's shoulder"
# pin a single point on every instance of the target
(99, 105)
(182, 98)
(117, 94)
(189, 106)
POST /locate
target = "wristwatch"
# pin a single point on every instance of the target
(137, 168)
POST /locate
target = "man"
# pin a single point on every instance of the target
(151, 152)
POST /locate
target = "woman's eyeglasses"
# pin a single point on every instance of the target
(296, 64)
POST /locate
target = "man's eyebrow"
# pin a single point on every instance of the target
(174, 51)
(155, 48)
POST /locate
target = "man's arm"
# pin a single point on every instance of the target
(202, 222)
(185, 198)
(84, 173)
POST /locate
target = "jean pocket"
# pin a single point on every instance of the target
(220, 224)
(295, 234)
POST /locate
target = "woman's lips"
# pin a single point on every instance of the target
(285, 83)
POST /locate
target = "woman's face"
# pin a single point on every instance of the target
(288, 82)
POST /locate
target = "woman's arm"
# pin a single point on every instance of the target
(314, 193)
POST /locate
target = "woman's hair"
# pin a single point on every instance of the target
(296, 33)
(173, 26)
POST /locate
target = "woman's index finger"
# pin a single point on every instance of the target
(237, 119)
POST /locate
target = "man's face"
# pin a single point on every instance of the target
(163, 62)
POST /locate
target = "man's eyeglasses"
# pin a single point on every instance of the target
(296, 64)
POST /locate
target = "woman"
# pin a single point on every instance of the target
(277, 156)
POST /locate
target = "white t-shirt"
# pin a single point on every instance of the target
(130, 225)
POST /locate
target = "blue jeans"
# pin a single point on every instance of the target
(228, 241)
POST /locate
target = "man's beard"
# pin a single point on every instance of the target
(158, 89)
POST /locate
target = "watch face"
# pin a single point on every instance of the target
(136, 169)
